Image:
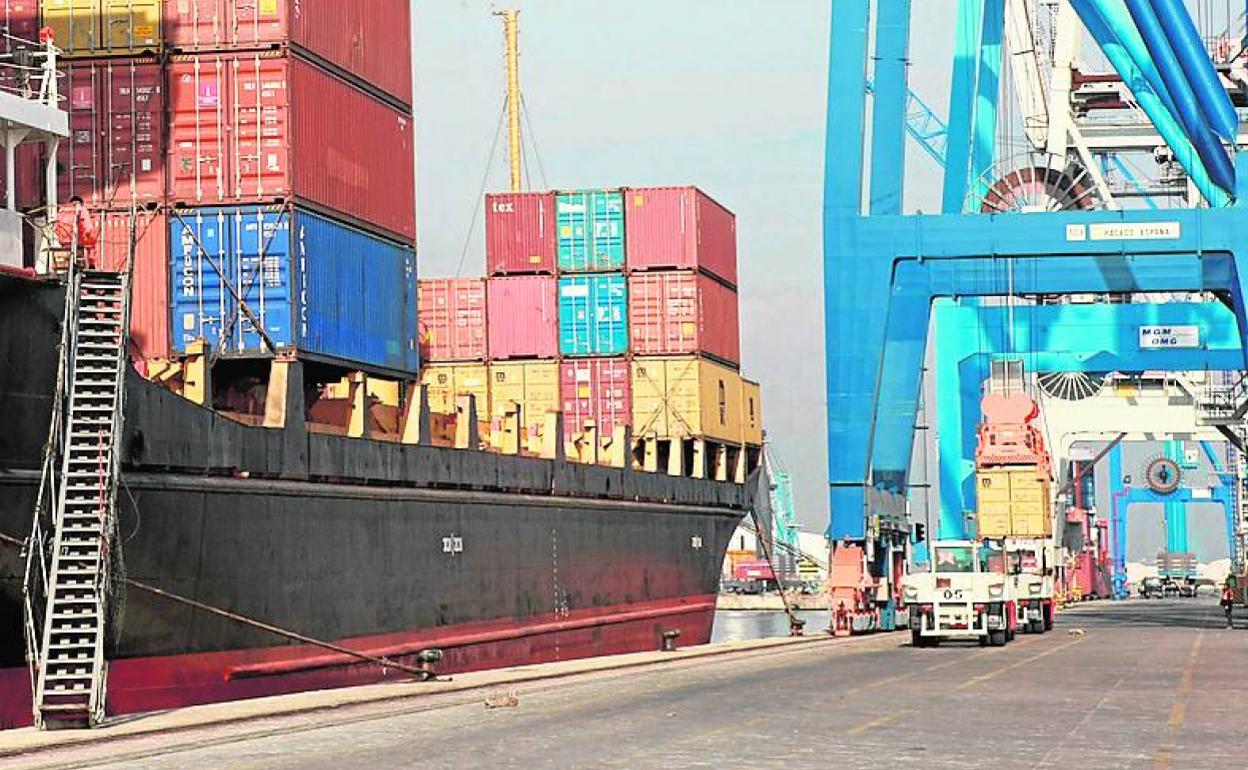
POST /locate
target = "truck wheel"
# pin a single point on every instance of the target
(996, 638)
(1048, 620)
(1035, 626)
(1009, 636)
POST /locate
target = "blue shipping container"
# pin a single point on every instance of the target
(591, 230)
(313, 284)
(593, 315)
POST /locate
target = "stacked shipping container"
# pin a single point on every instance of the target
(270, 147)
(630, 296)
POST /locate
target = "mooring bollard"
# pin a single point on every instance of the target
(669, 640)
(425, 660)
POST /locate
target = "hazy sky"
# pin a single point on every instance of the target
(729, 96)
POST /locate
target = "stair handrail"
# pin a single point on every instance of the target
(108, 527)
(51, 480)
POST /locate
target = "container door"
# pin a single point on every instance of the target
(260, 23)
(575, 316)
(198, 130)
(650, 403)
(259, 119)
(80, 161)
(261, 245)
(131, 26)
(75, 25)
(609, 315)
(572, 221)
(191, 25)
(200, 259)
(134, 150)
(607, 226)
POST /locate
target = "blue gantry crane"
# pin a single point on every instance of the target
(884, 269)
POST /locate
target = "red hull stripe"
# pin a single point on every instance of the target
(463, 640)
(137, 685)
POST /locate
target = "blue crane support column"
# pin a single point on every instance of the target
(1175, 511)
(962, 97)
(855, 286)
(1153, 104)
(987, 92)
(888, 128)
(1118, 512)
(1227, 480)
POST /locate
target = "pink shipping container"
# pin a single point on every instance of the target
(520, 233)
(368, 40)
(679, 228)
(261, 128)
(683, 313)
(115, 153)
(523, 317)
(149, 309)
(452, 317)
(597, 389)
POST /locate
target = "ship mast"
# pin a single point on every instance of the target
(511, 32)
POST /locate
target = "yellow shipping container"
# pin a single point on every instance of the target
(752, 412)
(104, 27)
(447, 382)
(1013, 502)
(532, 384)
(385, 391)
(686, 397)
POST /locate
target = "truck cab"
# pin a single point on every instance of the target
(961, 596)
(1030, 565)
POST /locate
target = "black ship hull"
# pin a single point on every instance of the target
(383, 548)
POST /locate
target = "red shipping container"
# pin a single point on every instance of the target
(679, 228)
(259, 128)
(369, 40)
(19, 23)
(683, 313)
(523, 317)
(597, 389)
(115, 153)
(451, 312)
(149, 305)
(520, 233)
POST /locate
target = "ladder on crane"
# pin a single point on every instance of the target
(68, 561)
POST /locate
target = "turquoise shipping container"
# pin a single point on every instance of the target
(593, 315)
(591, 231)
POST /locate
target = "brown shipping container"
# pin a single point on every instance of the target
(523, 317)
(679, 228)
(451, 312)
(365, 39)
(259, 128)
(149, 306)
(115, 153)
(597, 389)
(680, 313)
(520, 233)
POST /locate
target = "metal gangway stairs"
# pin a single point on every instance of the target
(69, 559)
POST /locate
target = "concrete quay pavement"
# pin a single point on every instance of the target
(1134, 684)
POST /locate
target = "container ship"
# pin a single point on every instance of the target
(261, 488)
